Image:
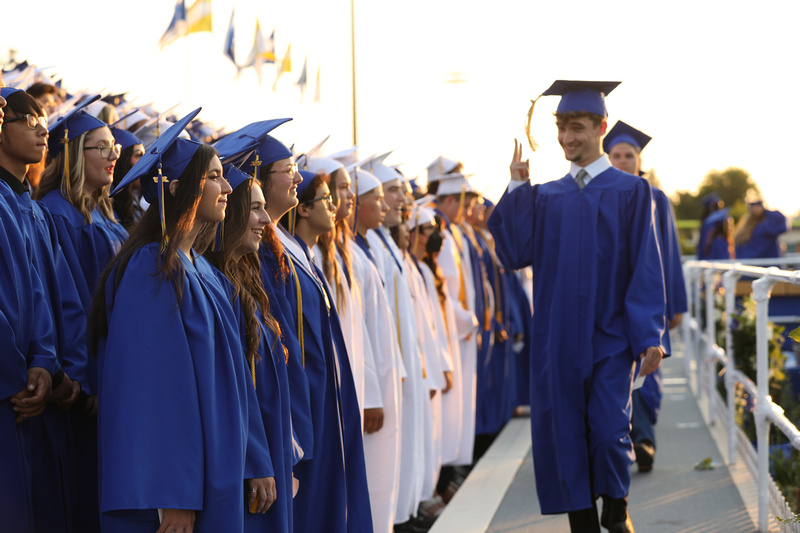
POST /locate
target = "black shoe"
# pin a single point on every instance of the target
(645, 455)
(584, 521)
(615, 517)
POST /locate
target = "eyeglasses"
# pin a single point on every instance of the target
(326, 198)
(32, 120)
(290, 170)
(105, 150)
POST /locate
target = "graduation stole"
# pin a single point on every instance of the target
(462, 289)
(299, 311)
(397, 320)
(498, 269)
(487, 313)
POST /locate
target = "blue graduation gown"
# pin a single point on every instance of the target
(598, 303)
(764, 240)
(174, 400)
(272, 393)
(88, 248)
(494, 386)
(27, 336)
(280, 295)
(719, 249)
(53, 453)
(333, 494)
(520, 324)
(649, 395)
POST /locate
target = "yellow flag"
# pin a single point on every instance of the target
(286, 64)
(198, 17)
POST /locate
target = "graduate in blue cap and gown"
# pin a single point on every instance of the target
(75, 187)
(758, 231)
(127, 203)
(53, 459)
(234, 253)
(599, 307)
(495, 374)
(624, 145)
(29, 361)
(179, 428)
(333, 493)
(719, 245)
(711, 203)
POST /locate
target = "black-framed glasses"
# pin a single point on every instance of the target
(105, 150)
(33, 121)
(291, 170)
(326, 198)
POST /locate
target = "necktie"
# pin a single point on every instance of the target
(579, 179)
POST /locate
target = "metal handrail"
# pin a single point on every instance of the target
(701, 275)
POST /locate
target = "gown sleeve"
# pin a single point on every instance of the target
(645, 299)
(511, 225)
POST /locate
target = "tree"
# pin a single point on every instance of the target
(731, 185)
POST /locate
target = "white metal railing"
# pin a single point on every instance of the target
(702, 349)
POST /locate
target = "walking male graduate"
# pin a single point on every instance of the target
(598, 307)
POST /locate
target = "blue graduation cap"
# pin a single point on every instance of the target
(72, 124)
(234, 175)
(301, 188)
(582, 96)
(576, 96)
(251, 145)
(165, 160)
(625, 133)
(5, 92)
(235, 178)
(710, 199)
(718, 217)
(124, 138)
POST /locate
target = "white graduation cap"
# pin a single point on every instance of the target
(381, 171)
(455, 184)
(346, 157)
(441, 166)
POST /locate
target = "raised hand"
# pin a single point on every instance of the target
(519, 168)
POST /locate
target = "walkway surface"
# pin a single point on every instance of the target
(499, 496)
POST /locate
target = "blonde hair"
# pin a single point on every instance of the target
(84, 203)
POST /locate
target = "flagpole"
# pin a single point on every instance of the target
(353, 52)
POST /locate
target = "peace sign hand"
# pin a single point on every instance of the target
(519, 169)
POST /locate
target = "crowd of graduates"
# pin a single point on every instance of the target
(238, 335)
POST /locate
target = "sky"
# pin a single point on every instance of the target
(713, 82)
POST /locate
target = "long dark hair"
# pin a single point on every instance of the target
(244, 274)
(179, 214)
(338, 237)
(128, 209)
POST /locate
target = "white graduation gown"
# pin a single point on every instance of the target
(415, 397)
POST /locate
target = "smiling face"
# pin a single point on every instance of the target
(256, 222)
(395, 197)
(281, 181)
(214, 200)
(626, 158)
(580, 139)
(98, 170)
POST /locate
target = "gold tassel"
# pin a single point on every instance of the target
(65, 142)
(299, 312)
(460, 212)
(531, 142)
(253, 370)
(255, 164)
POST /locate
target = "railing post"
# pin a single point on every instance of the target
(761, 293)
(711, 336)
(729, 280)
(686, 323)
(698, 337)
